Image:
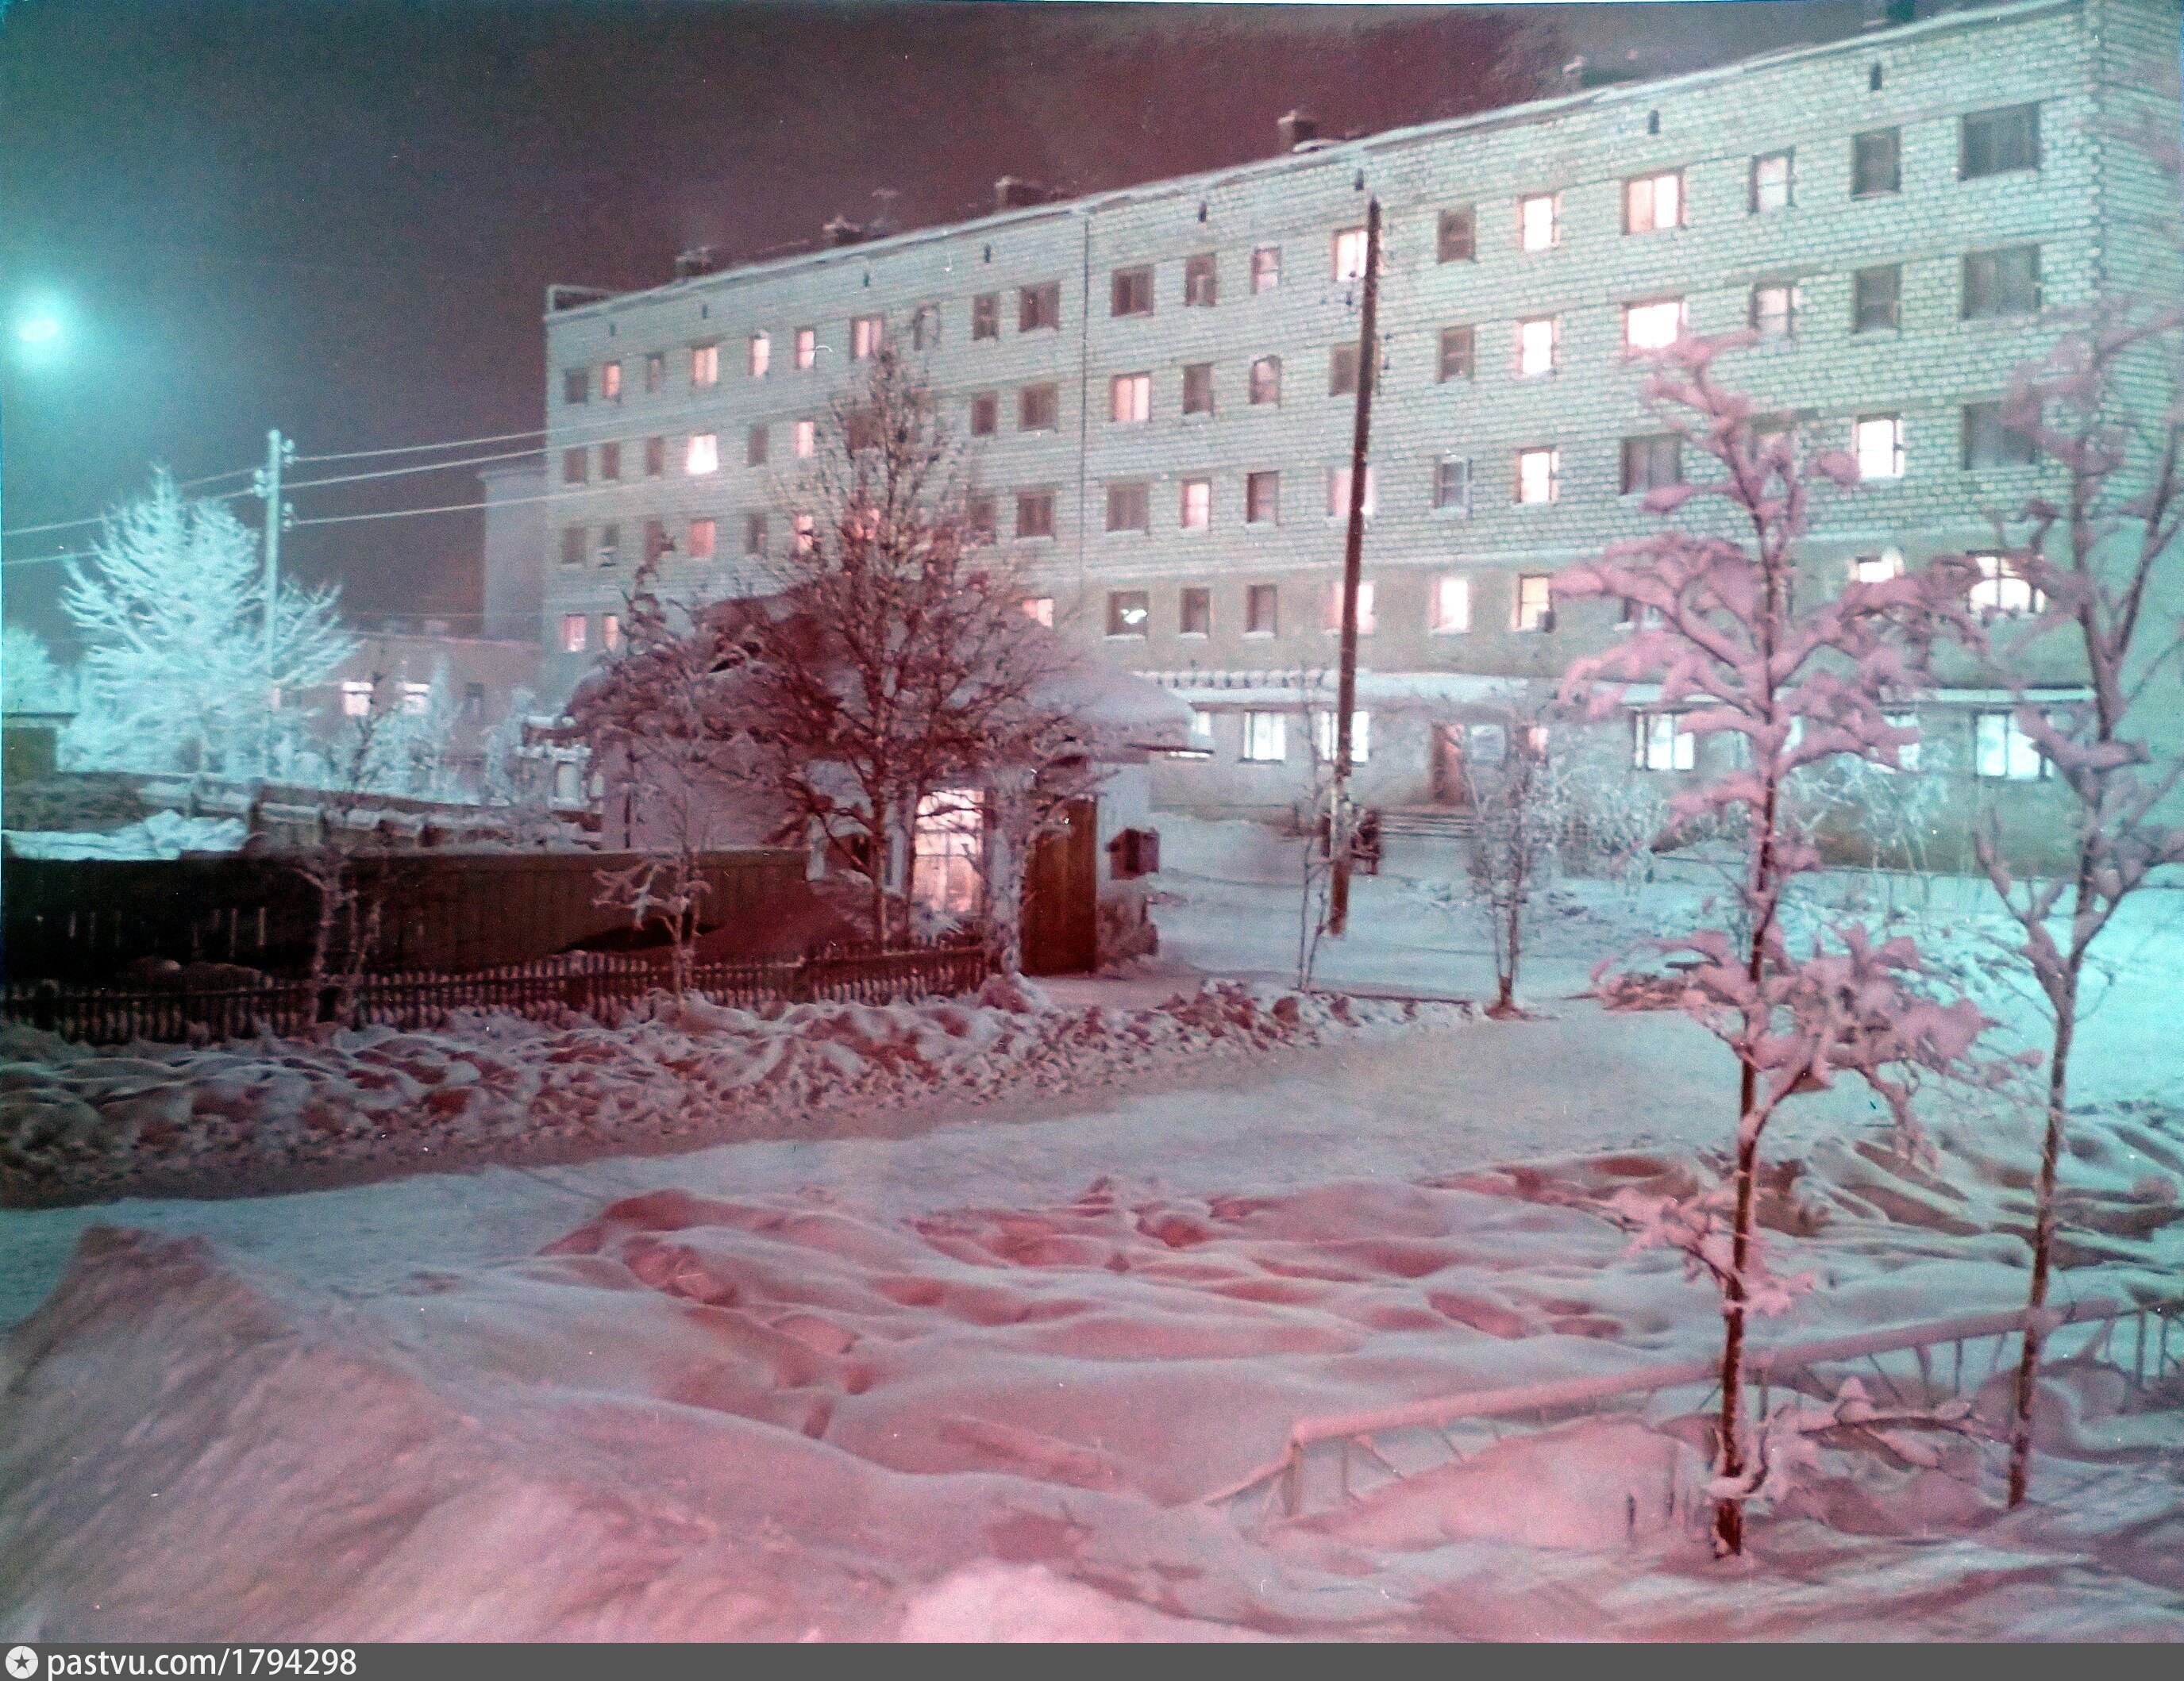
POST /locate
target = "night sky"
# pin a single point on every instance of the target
(340, 219)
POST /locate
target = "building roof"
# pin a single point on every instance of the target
(1336, 151)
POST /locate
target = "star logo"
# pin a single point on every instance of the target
(22, 1663)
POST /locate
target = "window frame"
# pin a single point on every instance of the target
(1439, 621)
(1041, 531)
(1553, 453)
(1140, 490)
(1986, 266)
(1983, 422)
(1272, 366)
(1651, 181)
(1462, 216)
(1265, 269)
(1200, 596)
(1264, 738)
(1965, 122)
(1126, 287)
(1786, 156)
(1898, 446)
(1678, 752)
(1553, 201)
(1553, 324)
(1138, 390)
(1201, 273)
(1049, 394)
(1038, 308)
(1871, 274)
(1458, 505)
(1640, 456)
(1644, 307)
(1534, 617)
(1859, 148)
(1267, 510)
(1256, 595)
(1203, 484)
(1190, 405)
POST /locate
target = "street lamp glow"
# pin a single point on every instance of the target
(39, 329)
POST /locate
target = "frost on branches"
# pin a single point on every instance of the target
(1787, 684)
(178, 673)
(2100, 560)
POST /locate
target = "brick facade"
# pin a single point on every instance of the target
(2099, 211)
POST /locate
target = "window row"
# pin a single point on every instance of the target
(1129, 612)
(2002, 749)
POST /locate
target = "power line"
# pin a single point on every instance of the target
(418, 449)
(425, 467)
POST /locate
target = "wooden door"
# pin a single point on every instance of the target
(1451, 786)
(1061, 897)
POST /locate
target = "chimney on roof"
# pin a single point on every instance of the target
(840, 232)
(699, 259)
(1295, 131)
(1014, 192)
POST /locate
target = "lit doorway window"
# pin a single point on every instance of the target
(946, 871)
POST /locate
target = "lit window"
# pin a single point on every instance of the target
(1265, 268)
(1537, 472)
(703, 454)
(866, 332)
(1265, 737)
(702, 539)
(1197, 504)
(807, 347)
(1775, 309)
(610, 382)
(1658, 741)
(1198, 388)
(705, 364)
(1535, 345)
(1130, 397)
(1535, 606)
(1366, 622)
(806, 436)
(1202, 725)
(1361, 735)
(1451, 604)
(1637, 616)
(1263, 498)
(1538, 221)
(1652, 326)
(572, 632)
(1877, 569)
(1035, 513)
(1267, 380)
(1770, 183)
(1877, 441)
(1039, 307)
(356, 697)
(1039, 610)
(1338, 492)
(1452, 485)
(1128, 612)
(1457, 238)
(1195, 617)
(1350, 255)
(761, 354)
(610, 631)
(949, 852)
(1129, 507)
(1201, 281)
(2003, 751)
(2002, 591)
(1993, 143)
(1651, 202)
(1261, 605)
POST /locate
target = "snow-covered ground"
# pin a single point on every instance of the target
(162, 834)
(959, 1363)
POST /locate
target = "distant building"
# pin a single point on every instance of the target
(1158, 380)
(396, 667)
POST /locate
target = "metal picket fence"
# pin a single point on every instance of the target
(584, 983)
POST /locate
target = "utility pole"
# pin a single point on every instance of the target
(1338, 819)
(278, 451)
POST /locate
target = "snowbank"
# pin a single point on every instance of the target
(164, 834)
(77, 1122)
(788, 1415)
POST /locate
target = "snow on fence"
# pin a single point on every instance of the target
(2155, 1349)
(581, 982)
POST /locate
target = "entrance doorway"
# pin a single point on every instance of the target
(1451, 786)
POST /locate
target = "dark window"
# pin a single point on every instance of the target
(1038, 307)
(978, 517)
(610, 460)
(1989, 442)
(924, 330)
(2004, 282)
(1039, 409)
(985, 415)
(1035, 513)
(572, 545)
(609, 543)
(753, 533)
(1451, 489)
(655, 457)
(755, 447)
(1458, 241)
(1132, 292)
(655, 539)
(656, 371)
(1198, 388)
(1129, 611)
(1263, 498)
(473, 703)
(574, 466)
(1129, 507)
(575, 385)
(1197, 616)
(861, 431)
(1459, 351)
(1876, 163)
(986, 315)
(1342, 370)
(1993, 143)
(1201, 281)
(1267, 380)
(1877, 299)
(1653, 462)
(1262, 611)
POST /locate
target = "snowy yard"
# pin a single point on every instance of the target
(959, 1356)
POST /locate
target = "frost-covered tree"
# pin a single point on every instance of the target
(30, 680)
(1780, 684)
(1520, 811)
(2099, 568)
(172, 608)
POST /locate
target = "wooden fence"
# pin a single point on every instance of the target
(583, 982)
